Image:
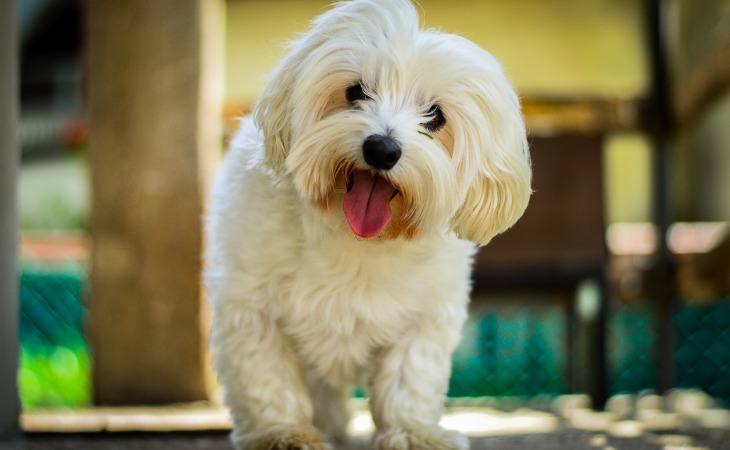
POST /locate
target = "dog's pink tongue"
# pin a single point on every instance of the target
(367, 204)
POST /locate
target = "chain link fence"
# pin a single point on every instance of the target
(631, 338)
(513, 350)
(510, 348)
(702, 355)
(55, 366)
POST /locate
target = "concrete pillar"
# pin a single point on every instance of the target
(154, 83)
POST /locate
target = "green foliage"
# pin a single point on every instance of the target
(54, 377)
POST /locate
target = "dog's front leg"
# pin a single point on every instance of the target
(263, 384)
(408, 390)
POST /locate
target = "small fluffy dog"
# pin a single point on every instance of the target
(342, 228)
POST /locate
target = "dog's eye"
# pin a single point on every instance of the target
(437, 118)
(355, 93)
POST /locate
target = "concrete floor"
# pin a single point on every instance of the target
(566, 439)
(683, 420)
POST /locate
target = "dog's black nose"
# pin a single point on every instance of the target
(381, 152)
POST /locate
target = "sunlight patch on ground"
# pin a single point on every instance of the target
(477, 422)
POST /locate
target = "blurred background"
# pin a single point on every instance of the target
(617, 280)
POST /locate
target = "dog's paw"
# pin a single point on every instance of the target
(421, 439)
(301, 438)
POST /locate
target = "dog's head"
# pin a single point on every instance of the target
(396, 131)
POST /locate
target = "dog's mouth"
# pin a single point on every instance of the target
(367, 203)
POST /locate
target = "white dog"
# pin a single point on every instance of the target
(342, 225)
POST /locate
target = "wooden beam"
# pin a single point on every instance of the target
(704, 85)
(548, 117)
(155, 81)
(9, 161)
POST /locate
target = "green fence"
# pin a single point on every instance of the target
(702, 356)
(507, 350)
(55, 365)
(513, 351)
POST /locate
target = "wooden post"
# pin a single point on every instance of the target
(155, 84)
(661, 121)
(9, 160)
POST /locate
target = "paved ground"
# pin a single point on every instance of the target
(682, 420)
(567, 439)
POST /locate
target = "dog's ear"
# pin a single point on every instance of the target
(494, 162)
(273, 111)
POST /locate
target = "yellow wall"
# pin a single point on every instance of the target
(256, 31)
(627, 162)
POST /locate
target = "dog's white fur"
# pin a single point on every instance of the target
(303, 308)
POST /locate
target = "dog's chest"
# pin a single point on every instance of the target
(342, 309)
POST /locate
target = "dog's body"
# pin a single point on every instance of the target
(339, 229)
(306, 297)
